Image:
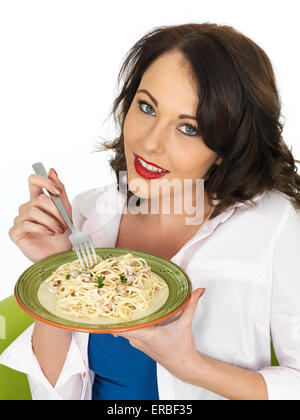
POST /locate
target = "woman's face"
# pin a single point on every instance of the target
(159, 127)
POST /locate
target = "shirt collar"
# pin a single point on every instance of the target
(209, 226)
(222, 217)
(209, 223)
(106, 215)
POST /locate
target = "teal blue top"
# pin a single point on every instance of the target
(122, 372)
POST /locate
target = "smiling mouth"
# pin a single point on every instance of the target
(149, 166)
(146, 170)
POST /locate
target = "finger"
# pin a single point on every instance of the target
(34, 214)
(63, 196)
(37, 182)
(23, 207)
(126, 334)
(45, 203)
(138, 334)
(188, 312)
(19, 231)
(54, 176)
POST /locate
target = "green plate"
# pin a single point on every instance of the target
(179, 284)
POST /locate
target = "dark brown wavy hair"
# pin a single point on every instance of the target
(238, 111)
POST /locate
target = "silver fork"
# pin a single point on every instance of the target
(81, 241)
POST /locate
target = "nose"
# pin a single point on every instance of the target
(155, 140)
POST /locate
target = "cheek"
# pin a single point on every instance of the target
(193, 161)
(131, 128)
(127, 129)
(188, 158)
(131, 137)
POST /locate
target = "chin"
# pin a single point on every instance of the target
(142, 188)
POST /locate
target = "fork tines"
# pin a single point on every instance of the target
(85, 252)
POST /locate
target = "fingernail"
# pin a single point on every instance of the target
(60, 230)
(200, 292)
(57, 191)
(50, 232)
(54, 172)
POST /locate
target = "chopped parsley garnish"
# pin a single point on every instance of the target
(123, 279)
(68, 276)
(100, 281)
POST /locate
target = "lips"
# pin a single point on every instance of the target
(144, 172)
(150, 163)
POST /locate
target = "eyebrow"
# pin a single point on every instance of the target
(156, 104)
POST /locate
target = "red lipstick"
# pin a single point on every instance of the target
(144, 172)
(150, 163)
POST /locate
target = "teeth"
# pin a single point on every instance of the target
(150, 167)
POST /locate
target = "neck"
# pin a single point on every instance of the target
(170, 213)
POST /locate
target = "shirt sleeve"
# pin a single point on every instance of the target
(72, 382)
(283, 382)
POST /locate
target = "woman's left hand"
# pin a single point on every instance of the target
(171, 345)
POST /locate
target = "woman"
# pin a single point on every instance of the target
(198, 101)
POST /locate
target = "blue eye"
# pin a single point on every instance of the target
(141, 103)
(192, 131)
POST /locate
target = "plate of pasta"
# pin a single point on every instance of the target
(124, 290)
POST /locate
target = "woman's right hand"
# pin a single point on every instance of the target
(39, 230)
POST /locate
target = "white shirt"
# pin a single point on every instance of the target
(246, 258)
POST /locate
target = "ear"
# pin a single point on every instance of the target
(218, 161)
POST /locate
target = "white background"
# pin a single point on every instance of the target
(58, 79)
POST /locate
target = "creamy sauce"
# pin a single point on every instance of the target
(48, 300)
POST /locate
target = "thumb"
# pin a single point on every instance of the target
(189, 310)
(63, 196)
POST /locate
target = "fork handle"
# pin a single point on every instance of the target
(39, 169)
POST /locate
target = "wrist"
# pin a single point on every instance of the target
(195, 368)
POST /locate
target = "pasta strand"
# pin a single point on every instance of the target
(114, 288)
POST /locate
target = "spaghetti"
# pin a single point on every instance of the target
(114, 288)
